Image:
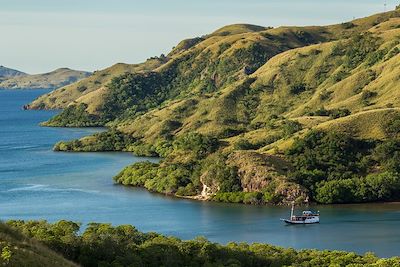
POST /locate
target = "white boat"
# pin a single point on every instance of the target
(307, 217)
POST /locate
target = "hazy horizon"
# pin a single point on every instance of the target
(89, 35)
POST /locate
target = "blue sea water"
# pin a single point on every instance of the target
(37, 183)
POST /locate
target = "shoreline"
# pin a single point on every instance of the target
(196, 197)
(200, 198)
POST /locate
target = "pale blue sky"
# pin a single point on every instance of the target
(42, 35)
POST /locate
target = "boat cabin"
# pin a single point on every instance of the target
(306, 217)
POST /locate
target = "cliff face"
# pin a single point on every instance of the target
(258, 171)
(261, 172)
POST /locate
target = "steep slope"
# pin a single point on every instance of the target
(303, 81)
(64, 96)
(8, 73)
(23, 251)
(50, 80)
(213, 57)
(275, 92)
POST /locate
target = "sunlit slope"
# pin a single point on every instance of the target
(292, 70)
(25, 252)
(245, 96)
(292, 84)
(67, 95)
(208, 55)
(238, 79)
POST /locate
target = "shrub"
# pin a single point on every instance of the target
(198, 144)
(348, 25)
(297, 88)
(333, 113)
(290, 127)
(81, 88)
(366, 97)
(392, 127)
(243, 144)
(359, 48)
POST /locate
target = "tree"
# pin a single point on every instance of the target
(6, 254)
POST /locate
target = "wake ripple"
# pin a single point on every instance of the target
(49, 189)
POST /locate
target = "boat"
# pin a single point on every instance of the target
(307, 217)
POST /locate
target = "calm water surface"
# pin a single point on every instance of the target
(37, 183)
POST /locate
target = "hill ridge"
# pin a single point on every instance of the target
(274, 92)
(49, 80)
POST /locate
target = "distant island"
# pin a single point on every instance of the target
(254, 115)
(14, 79)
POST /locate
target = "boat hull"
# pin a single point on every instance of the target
(311, 221)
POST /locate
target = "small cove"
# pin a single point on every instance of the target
(37, 183)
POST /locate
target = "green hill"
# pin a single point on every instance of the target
(239, 115)
(51, 80)
(92, 86)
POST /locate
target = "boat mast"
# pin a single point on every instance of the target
(292, 211)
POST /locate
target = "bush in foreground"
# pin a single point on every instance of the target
(105, 245)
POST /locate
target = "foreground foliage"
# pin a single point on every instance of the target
(19, 250)
(105, 245)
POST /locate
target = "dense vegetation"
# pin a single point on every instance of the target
(254, 115)
(74, 116)
(339, 169)
(19, 250)
(132, 94)
(105, 245)
(171, 176)
(112, 140)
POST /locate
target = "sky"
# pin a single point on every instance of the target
(41, 35)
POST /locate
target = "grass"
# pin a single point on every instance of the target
(258, 89)
(96, 82)
(366, 125)
(27, 252)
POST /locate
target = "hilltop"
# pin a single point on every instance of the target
(51, 80)
(94, 86)
(7, 73)
(254, 114)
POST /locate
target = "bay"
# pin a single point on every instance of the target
(37, 183)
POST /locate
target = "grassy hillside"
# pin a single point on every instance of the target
(105, 245)
(93, 85)
(51, 80)
(238, 115)
(19, 250)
